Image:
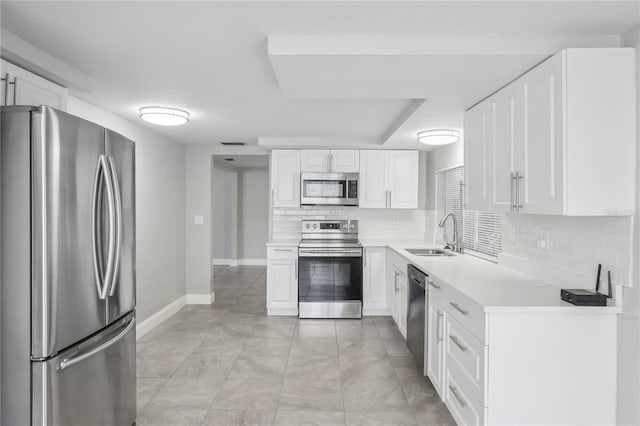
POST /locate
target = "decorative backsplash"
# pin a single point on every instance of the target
(373, 223)
(574, 247)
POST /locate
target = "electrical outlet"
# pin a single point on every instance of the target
(198, 220)
(543, 240)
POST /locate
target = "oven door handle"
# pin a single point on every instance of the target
(330, 253)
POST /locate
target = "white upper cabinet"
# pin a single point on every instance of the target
(335, 160)
(403, 179)
(478, 134)
(373, 179)
(561, 138)
(314, 160)
(285, 178)
(389, 179)
(21, 87)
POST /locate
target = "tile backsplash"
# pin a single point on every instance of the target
(566, 250)
(373, 223)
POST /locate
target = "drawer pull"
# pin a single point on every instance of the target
(458, 343)
(458, 308)
(434, 285)
(454, 392)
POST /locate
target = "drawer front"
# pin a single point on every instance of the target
(437, 290)
(283, 252)
(465, 409)
(466, 354)
(469, 313)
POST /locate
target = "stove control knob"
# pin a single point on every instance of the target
(353, 226)
(315, 225)
(344, 226)
(307, 226)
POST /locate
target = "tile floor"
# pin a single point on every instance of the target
(230, 364)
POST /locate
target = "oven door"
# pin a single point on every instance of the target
(330, 282)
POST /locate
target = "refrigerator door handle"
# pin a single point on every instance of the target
(118, 228)
(102, 180)
(69, 362)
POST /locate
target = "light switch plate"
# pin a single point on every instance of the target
(198, 220)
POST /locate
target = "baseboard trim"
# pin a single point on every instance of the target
(290, 312)
(154, 320)
(375, 312)
(201, 299)
(239, 262)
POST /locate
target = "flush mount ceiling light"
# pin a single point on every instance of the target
(438, 136)
(164, 116)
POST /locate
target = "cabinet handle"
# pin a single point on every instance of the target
(434, 285)
(6, 88)
(295, 269)
(15, 88)
(458, 308)
(454, 392)
(459, 344)
(518, 178)
(395, 281)
(439, 316)
(512, 197)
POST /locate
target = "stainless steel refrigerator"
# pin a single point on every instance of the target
(68, 271)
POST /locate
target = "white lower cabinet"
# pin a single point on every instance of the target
(282, 280)
(397, 289)
(374, 285)
(509, 365)
(435, 337)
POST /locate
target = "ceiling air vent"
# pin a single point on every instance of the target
(229, 159)
(233, 143)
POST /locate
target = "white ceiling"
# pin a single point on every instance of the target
(212, 59)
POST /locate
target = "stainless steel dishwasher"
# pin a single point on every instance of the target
(416, 319)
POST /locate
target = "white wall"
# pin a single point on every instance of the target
(253, 211)
(200, 202)
(224, 185)
(160, 214)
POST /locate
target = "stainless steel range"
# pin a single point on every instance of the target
(330, 270)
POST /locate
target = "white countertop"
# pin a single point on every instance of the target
(496, 288)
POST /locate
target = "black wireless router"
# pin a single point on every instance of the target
(582, 297)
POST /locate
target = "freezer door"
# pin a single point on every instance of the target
(93, 383)
(122, 294)
(66, 153)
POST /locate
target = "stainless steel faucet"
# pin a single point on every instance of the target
(455, 245)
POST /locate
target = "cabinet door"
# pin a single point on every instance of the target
(508, 110)
(478, 136)
(374, 297)
(403, 179)
(344, 161)
(541, 149)
(26, 88)
(282, 286)
(435, 345)
(4, 95)
(285, 178)
(403, 297)
(314, 160)
(373, 179)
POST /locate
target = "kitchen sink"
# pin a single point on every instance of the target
(430, 252)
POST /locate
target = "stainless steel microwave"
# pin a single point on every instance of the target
(330, 189)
